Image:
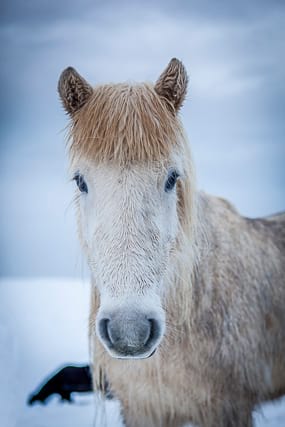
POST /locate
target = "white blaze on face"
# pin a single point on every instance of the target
(129, 224)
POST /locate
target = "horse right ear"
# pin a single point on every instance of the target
(172, 84)
(73, 89)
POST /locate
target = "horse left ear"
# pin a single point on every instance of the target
(172, 84)
(73, 89)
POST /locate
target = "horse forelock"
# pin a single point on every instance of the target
(124, 123)
(127, 123)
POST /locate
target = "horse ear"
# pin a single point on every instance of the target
(172, 84)
(74, 91)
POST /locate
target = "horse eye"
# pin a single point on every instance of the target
(171, 181)
(81, 184)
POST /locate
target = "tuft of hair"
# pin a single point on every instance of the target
(125, 123)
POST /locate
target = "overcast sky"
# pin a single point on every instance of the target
(234, 113)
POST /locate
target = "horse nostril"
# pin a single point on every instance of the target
(154, 331)
(104, 330)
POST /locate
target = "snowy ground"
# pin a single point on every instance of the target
(43, 325)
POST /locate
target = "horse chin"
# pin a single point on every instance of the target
(131, 357)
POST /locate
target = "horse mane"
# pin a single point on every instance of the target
(125, 123)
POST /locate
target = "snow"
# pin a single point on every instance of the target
(43, 325)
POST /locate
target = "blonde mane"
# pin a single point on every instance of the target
(124, 123)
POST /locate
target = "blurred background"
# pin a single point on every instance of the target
(234, 117)
(234, 113)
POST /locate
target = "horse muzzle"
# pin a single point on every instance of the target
(129, 335)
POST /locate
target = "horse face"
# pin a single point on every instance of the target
(128, 216)
(129, 224)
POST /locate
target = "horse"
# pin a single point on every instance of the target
(187, 315)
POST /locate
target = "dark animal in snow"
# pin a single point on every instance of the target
(65, 381)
